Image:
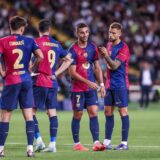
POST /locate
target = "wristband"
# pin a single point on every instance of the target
(101, 84)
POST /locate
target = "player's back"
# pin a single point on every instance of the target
(52, 51)
(16, 51)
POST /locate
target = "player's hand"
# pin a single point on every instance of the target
(52, 77)
(103, 51)
(103, 91)
(92, 85)
(30, 69)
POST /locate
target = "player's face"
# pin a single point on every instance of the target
(114, 34)
(83, 34)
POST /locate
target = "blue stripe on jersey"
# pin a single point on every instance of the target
(90, 49)
(59, 53)
(26, 56)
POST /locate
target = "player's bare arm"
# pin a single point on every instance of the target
(76, 76)
(99, 77)
(112, 64)
(66, 63)
(2, 69)
(39, 57)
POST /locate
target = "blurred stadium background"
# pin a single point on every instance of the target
(140, 19)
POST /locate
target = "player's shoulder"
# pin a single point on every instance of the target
(125, 48)
(124, 45)
(25, 38)
(92, 44)
(5, 38)
(28, 38)
(53, 40)
(72, 46)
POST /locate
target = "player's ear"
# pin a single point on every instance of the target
(120, 33)
(75, 33)
(22, 29)
(50, 29)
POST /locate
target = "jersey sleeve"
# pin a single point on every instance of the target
(34, 45)
(1, 47)
(73, 55)
(63, 53)
(123, 54)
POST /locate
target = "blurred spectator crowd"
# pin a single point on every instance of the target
(140, 19)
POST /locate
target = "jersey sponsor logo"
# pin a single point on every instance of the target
(85, 54)
(18, 73)
(86, 65)
(50, 44)
(16, 43)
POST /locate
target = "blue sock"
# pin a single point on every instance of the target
(36, 133)
(109, 126)
(94, 128)
(30, 132)
(53, 128)
(125, 127)
(4, 128)
(75, 129)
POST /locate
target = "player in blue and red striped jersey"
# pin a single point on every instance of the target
(117, 56)
(84, 89)
(16, 51)
(45, 83)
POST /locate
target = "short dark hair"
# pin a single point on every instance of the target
(81, 25)
(44, 25)
(16, 22)
(116, 25)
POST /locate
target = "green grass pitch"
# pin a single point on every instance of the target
(144, 138)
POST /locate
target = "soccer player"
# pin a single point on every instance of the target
(84, 89)
(45, 83)
(16, 51)
(117, 57)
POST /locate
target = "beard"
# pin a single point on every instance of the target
(112, 39)
(84, 39)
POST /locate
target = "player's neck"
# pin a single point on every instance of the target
(44, 34)
(116, 42)
(17, 32)
(82, 44)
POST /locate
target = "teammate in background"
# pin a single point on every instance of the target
(16, 51)
(45, 83)
(117, 57)
(84, 89)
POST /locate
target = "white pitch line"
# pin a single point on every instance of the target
(130, 146)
